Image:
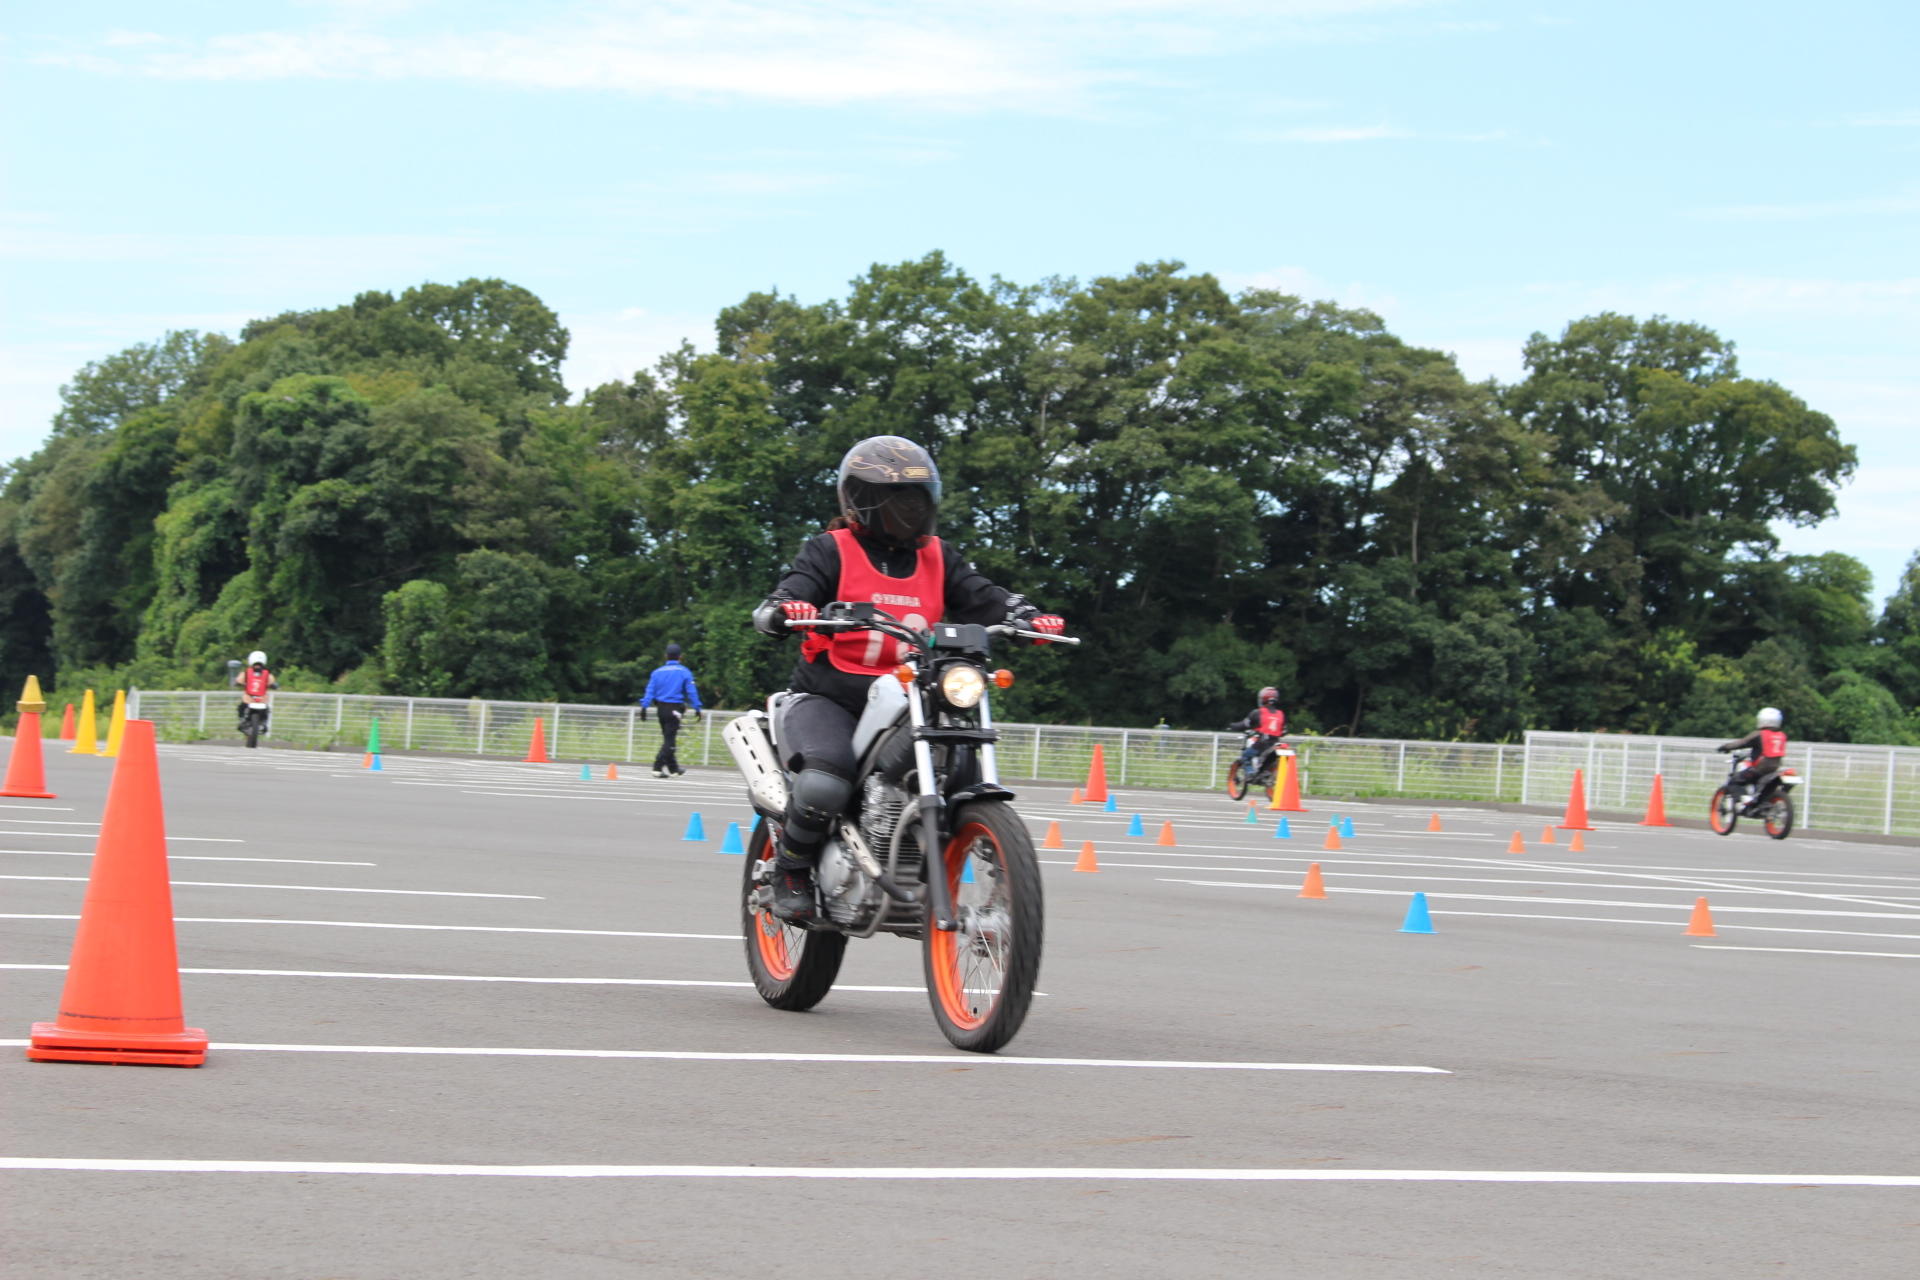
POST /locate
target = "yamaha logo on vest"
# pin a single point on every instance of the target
(910, 602)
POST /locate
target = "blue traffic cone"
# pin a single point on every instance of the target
(1418, 921)
(374, 764)
(1253, 814)
(966, 872)
(586, 773)
(1346, 827)
(1281, 831)
(695, 831)
(1113, 804)
(1134, 828)
(731, 842)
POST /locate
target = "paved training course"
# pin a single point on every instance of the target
(481, 1018)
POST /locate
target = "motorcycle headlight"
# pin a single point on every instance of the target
(962, 685)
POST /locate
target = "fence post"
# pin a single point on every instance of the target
(203, 714)
(630, 717)
(1400, 772)
(1888, 827)
(553, 739)
(1036, 753)
(1125, 738)
(706, 738)
(408, 744)
(1499, 771)
(480, 747)
(339, 714)
(1806, 801)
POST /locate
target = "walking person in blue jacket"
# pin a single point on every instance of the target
(672, 690)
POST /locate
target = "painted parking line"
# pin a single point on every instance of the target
(960, 1173)
(307, 888)
(436, 928)
(1811, 951)
(937, 1059)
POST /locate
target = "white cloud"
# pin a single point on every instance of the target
(613, 346)
(1888, 120)
(1907, 201)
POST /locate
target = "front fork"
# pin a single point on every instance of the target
(932, 848)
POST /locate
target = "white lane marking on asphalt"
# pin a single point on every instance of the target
(194, 857)
(1812, 951)
(88, 835)
(466, 977)
(939, 1059)
(959, 1173)
(1545, 901)
(450, 928)
(37, 808)
(1668, 924)
(52, 822)
(312, 888)
(1697, 881)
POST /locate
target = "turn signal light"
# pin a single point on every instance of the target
(1003, 678)
(904, 674)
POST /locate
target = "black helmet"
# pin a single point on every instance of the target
(1269, 697)
(890, 490)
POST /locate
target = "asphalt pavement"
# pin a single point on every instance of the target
(481, 1018)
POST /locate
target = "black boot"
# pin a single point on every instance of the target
(793, 896)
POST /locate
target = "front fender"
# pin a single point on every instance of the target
(979, 791)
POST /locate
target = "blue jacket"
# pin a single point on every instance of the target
(671, 682)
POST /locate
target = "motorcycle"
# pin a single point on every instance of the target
(931, 848)
(1773, 806)
(253, 721)
(1266, 768)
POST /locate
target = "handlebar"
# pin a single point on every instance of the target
(889, 625)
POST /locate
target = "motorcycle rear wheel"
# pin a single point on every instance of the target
(792, 968)
(1723, 813)
(980, 977)
(1778, 817)
(1236, 781)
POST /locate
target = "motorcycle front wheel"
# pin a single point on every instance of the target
(1236, 781)
(980, 977)
(253, 731)
(1779, 817)
(792, 968)
(1723, 813)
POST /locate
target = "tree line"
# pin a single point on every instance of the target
(1220, 491)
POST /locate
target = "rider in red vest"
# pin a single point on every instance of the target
(255, 682)
(881, 550)
(1768, 745)
(1269, 719)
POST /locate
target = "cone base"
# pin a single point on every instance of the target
(53, 1043)
(29, 795)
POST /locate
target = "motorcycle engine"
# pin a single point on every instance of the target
(843, 885)
(880, 813)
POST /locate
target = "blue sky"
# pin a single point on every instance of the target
(1474, 171)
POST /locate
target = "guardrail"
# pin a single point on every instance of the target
(1845, 788)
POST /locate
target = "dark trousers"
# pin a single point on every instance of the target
(665, 761)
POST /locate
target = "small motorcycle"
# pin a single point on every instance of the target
(1773, 806)
(253, 721)
(1266, 768)
(931, 848)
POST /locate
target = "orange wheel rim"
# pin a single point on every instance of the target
(771, 937)
(954, 973)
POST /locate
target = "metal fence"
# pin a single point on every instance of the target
(1844, 786)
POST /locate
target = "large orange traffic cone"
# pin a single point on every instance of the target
(122, 998)
(26, 772)
(1576, 819)
(1289, 785)
(1312, 887)
(1096, 792)
(1700, 924)
(1166, 834)
(116, 725)
(537, 749)
(87, 743)
(66, 725)
(1087, 862)
(1656, 806)
(1053, 840)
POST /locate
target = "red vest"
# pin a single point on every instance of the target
(1272, 723)
(1773, 744)
(257, 684)
(919, 601)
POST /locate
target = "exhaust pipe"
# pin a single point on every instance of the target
(750, 742)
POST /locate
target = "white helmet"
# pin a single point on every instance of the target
(1769, 718)
(258, 658)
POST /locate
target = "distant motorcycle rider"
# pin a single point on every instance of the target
(1269, 720)
(255, 682)
(1768, 747)
(880, 550)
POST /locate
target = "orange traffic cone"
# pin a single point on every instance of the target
(1087, 861)
(1096, 791)
(66, 725)
(1166, 834)
(87, 741)
(537, 749)
(1053, 840)
(122, 997)
(1656, 806)
(26, 771)
(613, 773)
(1546, 835)
(1578, 844)
(1516, 845)
(1077, 797)
(1289, 785)
(1700, 924)
(1433, 823)
(1333, 838)
(1576, 819)
(1312, 886)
